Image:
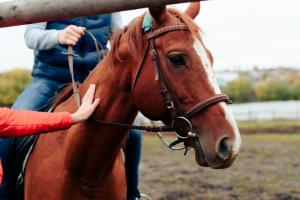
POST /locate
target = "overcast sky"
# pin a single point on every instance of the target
(240, 34)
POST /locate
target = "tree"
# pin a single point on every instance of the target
(240, 89)
(272, 89)
(295, 90)
(12, 84)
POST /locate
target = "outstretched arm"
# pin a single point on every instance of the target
(19, 123)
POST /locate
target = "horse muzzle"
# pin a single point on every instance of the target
(222, 158)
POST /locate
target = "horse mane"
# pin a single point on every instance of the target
(135, 33)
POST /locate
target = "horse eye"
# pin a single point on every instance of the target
(177, 59)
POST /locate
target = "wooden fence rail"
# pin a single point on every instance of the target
(19, 12)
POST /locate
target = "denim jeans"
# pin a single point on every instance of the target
(133, 150)
(36, 95)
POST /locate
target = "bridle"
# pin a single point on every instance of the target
(180, 122)
(181, 125)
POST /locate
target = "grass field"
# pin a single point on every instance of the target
(268, 167)
(269, 126)
(286, 123)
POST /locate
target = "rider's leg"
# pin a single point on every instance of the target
(38, 92)
(6, 189)
(133, 151)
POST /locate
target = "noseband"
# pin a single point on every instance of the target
(181, 124)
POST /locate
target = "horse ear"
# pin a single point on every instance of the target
(158, 13)
(193, 9)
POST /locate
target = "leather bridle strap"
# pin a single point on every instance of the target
(71, 68)
(203, 105)
(139, 68)
(97, 45)
(150, 36)
(160, 78)
(130, 126)
(71, 65)
(167, 29)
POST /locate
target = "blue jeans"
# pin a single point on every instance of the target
(133, 150)
(35, 96)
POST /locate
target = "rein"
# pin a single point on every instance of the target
(70, 55)
(181, 125)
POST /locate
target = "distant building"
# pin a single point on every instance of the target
(256, 74)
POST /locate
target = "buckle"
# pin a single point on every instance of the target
(68, 54)
(153, 54)
(170, 105)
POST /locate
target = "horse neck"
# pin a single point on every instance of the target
(91, 149)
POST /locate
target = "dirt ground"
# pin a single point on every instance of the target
(268, 168)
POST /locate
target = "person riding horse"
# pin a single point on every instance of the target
(50, 72)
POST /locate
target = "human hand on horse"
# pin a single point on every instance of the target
(70, 35)
(87, 107)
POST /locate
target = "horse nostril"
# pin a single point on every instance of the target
(223, 149)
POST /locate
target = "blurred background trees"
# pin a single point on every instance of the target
(240, 89)
(272, 90)
(264, 85)
(12, 83)
(276, 84)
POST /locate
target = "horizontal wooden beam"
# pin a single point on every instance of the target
(19, 12)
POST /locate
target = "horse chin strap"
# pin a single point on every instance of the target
(173, 144)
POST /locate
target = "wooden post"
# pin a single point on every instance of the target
(19, 12)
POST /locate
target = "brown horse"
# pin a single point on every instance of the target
(85, 162)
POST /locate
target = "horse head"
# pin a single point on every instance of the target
(172, 77)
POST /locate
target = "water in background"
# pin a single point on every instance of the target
(251, 111)
(267, 110)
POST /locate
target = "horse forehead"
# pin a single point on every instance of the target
(209, 73)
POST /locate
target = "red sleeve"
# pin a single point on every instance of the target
(19, 123)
